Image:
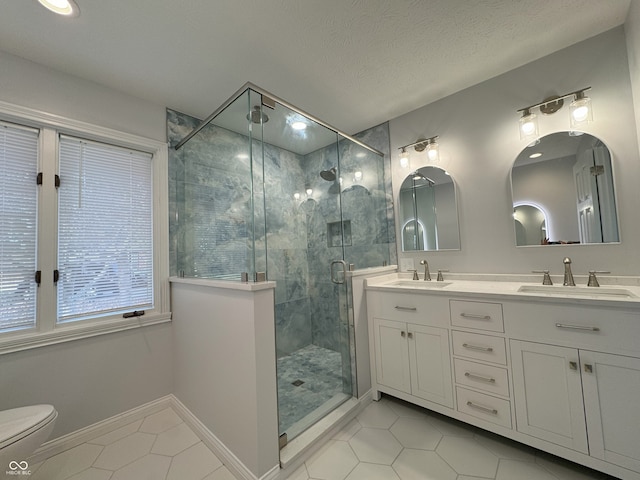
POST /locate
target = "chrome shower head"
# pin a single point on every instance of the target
(256, 116)
(329, 175)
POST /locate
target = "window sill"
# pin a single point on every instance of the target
(68, 333)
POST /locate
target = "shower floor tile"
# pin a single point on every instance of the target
(320, 371)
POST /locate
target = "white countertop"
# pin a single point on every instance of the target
(613, 291)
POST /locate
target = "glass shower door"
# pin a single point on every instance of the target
(304, 234)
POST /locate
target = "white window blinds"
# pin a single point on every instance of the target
(18, 222)
(105, 244)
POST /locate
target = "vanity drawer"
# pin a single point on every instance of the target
(486, 407)
(483, 377)
(596, 328)
(479, 315)
(408, 307)
(481, 347)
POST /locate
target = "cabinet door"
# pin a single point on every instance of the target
(548, 394)
(392, 357)
(430, 364)
(611, 385)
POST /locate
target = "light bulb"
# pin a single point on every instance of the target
(404, 158)
(432, 151)
(581, 111)
(298, 125)
(296, 196)
(309, 191)
(357, 176)
(528, 125)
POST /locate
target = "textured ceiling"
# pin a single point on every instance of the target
(351, 63)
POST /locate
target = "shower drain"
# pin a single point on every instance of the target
(297, 383)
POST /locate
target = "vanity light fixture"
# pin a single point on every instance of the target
(309, 191)
(299, 125)
(68, 8)
(535, 155)
(422, 144)
(580, 112)
(296, 196)
(357, 176)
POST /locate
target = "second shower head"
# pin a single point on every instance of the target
(329, 175)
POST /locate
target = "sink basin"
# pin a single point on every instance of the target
(421, 284)
(591, 292)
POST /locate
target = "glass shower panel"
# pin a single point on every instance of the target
(364, 206)
(215, 198)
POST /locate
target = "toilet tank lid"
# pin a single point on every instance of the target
(16, 420)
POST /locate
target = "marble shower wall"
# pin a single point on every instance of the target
(210, 220)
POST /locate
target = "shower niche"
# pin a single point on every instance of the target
(261, 186)
(339, 233)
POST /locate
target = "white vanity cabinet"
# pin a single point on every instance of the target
(559, 374)
(576, 378)
(411, 348)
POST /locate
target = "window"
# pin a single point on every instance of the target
(18, 220)
(105, 247)
(85, 246)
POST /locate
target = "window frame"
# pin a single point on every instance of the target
(47, 331)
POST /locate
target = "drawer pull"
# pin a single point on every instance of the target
(577, 327)
(475, 316)
(492, 411)
(473, 376)
(406, 309)
(477, 347)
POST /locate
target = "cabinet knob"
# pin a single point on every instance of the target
(588, 368)
(402, 334)
(573, 365)
(410, 335)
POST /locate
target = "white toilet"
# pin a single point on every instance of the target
(22, 431)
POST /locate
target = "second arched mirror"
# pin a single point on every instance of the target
(568, 177)
(428, 211)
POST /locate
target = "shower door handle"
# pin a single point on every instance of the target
(335, 279)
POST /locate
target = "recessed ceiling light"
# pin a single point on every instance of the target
(68, 8)
(298, 125)
(535, 155)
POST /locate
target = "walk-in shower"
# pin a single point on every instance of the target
(260, 186)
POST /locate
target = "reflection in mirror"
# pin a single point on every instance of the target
(566, 181)
(428, 211)
(531, 225)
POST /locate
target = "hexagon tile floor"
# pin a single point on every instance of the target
(394, 440)
(158, 447)
(389, 440)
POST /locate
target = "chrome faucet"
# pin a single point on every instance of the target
(546, 279)
(427, 275)
(593, 280)
(415, 274)
(568, 276)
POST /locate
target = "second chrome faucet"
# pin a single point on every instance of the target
(427, 275)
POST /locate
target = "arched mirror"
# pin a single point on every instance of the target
(563, 192)
(428, 211)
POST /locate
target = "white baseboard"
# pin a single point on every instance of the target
(73, 439)
(227, 457)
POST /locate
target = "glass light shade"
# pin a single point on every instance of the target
(357, 176)
(580, 111)
(528, 126)
(296, 196)
(433, 151)
(404, 158)
(67, 8)
(309, 191)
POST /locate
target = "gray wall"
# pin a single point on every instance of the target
(90, 379)
(479, 141)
